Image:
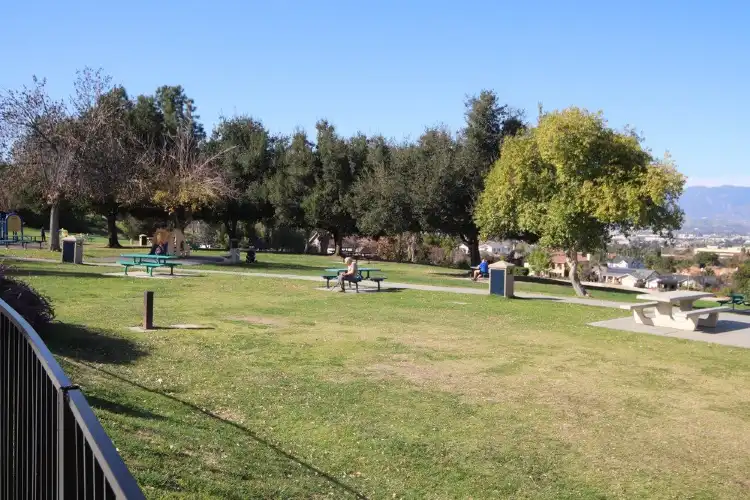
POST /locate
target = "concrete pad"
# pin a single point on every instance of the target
(731, 330)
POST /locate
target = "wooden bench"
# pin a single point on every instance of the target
(377, 280)
(328, 278)
(639, 311)
(694, 319)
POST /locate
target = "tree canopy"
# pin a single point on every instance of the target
(573, 181)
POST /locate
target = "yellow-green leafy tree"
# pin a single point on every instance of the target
(572, 181)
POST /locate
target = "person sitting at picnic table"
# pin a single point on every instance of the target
(351, 272)
(482, 270)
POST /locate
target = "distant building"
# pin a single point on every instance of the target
(560, 266)
(625, 263)
(639, 278)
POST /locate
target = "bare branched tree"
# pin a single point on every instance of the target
(110, 155)
(185, 179)
(37, 140)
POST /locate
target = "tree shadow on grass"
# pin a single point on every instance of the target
(457, 274)
(59, 273)
(85, 344)
(131, 411)
(250, 433)
(277, 266)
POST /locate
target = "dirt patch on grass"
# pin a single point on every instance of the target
(261, 320)
(451, 375)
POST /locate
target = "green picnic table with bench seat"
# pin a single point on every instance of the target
(735, 299)
(334, 273)
(148, 261)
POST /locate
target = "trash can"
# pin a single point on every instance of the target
(72, 250)
(143, 240)
(501, 279)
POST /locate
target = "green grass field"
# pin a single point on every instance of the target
(314, 265)
(292, 392)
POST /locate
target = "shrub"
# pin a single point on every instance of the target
(33, 306)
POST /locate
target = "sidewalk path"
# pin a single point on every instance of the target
(406, 286)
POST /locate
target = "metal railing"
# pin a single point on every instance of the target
(51, 443)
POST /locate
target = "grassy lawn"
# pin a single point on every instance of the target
(314, 265)
(293, 392)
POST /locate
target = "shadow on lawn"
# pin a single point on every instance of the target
(279, 266)
(239, 427)
(131, 411)
(85, 344)
(62, 274)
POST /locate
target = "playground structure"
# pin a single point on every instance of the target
(175, 242)
(11, 231)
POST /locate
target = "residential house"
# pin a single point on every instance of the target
(494, 248)
(560, 267)
(489, 247)
(698, 282)
(611, 275)
(667, 282)
(625, 263)
(639, 278)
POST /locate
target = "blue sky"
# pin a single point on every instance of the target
(677, 71)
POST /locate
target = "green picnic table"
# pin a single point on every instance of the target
(361, 270)
(149, 261)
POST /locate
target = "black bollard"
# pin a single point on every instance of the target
(148, 310)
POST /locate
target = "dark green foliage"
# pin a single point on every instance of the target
(707, 259)
(32, 305)
(246, 153)
(337, 163)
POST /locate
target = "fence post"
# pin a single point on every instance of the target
(61, 402)
(148, 310)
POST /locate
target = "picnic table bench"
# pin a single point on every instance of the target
(659, 310)
(735, 299)
(148, 261)
(334, 273)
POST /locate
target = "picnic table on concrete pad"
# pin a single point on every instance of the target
(685, 318)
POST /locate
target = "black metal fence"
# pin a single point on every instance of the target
(51, 443)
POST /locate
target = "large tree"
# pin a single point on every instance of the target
(452, 181)
(291, 184)
(573, 181)
(38, 138)
(247, 163)
(112, 152)
(185, 178)
(327, 204)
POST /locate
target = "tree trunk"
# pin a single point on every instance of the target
(54, 227)
(338, 239)
(112, 229)
(310, 239)
(574, 280)
(473, 243)
(324, 239)
(231, 225)
(412, 245)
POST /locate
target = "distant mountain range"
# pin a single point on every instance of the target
(720, 209)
